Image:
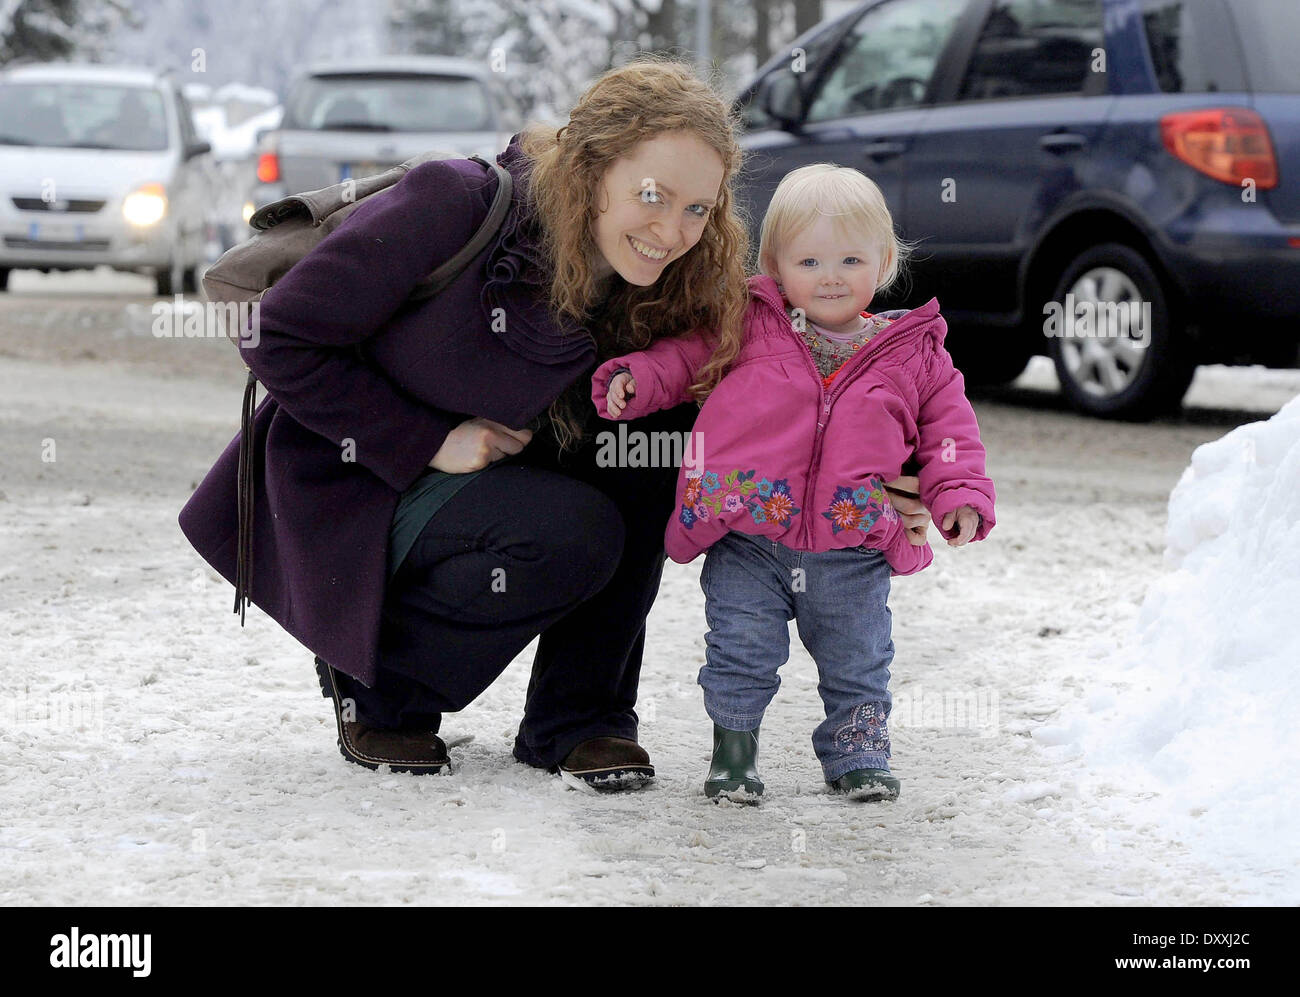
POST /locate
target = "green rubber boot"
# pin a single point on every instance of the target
(733, 772)
(868, 784)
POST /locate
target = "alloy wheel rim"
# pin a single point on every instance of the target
(1104, 365)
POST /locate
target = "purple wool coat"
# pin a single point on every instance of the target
(321, 522)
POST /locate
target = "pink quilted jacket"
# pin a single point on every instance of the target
(776, 454)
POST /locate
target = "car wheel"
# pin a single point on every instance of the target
(4, 278)
(167, 281)
(1129, 363)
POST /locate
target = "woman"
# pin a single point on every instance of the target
(410, 528)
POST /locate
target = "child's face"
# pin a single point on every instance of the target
(831, 275)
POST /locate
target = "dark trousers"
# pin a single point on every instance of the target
(540, 543)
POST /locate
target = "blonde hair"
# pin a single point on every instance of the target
(704, 288)
(854, 200)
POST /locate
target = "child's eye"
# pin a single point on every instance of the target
(807, 259)
(854, 258)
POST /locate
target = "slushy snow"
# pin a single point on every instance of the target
(153, 751)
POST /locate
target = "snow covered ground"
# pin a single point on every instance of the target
(1059, 740)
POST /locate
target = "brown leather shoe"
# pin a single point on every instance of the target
(607, 764)
(414, 751)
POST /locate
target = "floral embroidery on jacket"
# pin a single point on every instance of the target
(865, 731)
(859, 508)
(707, 495)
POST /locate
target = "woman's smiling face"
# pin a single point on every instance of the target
(653, 205)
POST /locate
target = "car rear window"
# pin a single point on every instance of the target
(1192, 46)
(1270, 33)
(59, 115)
(396, 103)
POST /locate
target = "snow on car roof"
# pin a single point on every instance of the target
(82, 73)
(431, 64)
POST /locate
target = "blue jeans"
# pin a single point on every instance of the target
(753, 587)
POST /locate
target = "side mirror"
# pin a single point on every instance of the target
(783, 99)
(198, 149)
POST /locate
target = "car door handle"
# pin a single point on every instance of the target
(1059, 142)
(883, 149)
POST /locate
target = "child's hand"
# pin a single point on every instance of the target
(622, 386)
(966, 518)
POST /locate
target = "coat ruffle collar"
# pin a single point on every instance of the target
(517, 281)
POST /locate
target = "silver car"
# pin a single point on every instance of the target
(100, 166)
(355, 118)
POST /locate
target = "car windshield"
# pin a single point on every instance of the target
(410, 103)
(82, 116)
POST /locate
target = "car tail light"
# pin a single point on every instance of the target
(268, 167)
(1231, 144)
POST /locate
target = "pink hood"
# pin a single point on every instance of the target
(775, 455)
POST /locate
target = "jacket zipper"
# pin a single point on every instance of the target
(824, 412)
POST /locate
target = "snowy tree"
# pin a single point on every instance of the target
(249, 41)
(42, 30)
(550, 50)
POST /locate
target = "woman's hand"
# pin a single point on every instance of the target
(904, 495)
(621, 387)
(476, 443)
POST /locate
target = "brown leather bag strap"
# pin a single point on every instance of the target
(427, 288)
(244, 486)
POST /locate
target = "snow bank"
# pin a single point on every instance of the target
(229, 141)
(1205, 690)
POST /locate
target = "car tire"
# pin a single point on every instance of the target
(4, 278)
(1113, 375)
(163, 283)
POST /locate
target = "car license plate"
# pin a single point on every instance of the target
(351, 171)
(56, 232)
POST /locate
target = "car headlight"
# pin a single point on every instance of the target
(248, 211)
(145, 206)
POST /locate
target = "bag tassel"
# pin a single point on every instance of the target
(244, 485)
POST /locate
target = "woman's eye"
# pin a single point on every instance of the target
(648, 194)
(703, 212)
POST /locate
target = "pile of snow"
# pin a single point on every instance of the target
(1205, 691)
(233, 142)
(244, 94)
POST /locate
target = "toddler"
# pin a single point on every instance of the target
(784, 484)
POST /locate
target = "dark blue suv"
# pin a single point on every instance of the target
(1112, 183)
